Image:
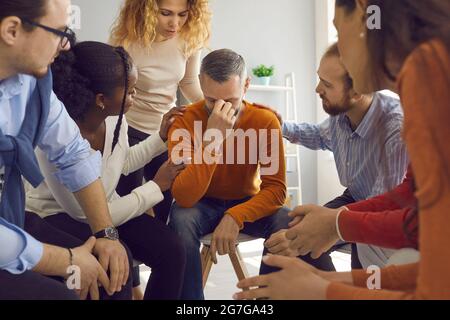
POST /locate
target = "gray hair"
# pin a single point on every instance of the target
(221, 64)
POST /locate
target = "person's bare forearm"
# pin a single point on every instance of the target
(54, 261)
(343, 277)
(92, 200)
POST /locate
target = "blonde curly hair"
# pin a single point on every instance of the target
(136, 25)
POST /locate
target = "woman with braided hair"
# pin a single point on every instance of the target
(96, 82)
(164, 37)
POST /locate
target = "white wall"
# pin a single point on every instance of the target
(97, 17)
(282, 33)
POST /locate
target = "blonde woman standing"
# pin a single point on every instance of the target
(164, 38)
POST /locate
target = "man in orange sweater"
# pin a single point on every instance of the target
(235, 175)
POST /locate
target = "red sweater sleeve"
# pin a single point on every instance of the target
(383, 220)
(384, 229)
(400, 197)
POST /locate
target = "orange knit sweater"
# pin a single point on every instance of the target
(231, 181)
(424, 85)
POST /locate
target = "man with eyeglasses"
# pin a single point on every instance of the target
(67, 35)
(32, 33)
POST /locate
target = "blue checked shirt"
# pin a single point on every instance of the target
(370, 160)
(64, 147)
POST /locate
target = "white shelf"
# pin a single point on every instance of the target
(290, 112)
(257, 87)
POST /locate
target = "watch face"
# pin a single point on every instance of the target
(112, 233)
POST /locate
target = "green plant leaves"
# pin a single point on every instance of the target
(263, 71)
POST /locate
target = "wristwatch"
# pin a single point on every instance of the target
(110, 233)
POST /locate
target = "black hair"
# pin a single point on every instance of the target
(88, 69)
(127, 68)
(28, 9)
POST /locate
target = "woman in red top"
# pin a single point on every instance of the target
(409, 55)
(388, 221)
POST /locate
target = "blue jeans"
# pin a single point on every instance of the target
(193, 223)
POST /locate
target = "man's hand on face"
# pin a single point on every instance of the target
(222, 118)
(224, 237)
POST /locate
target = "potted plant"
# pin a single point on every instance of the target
(263, 73)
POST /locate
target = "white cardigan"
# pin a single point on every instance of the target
(51, 197)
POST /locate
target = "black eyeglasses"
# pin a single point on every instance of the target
(68, 35)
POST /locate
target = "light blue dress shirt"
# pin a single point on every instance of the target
(65, 148)
(370, 160)
(20, 251)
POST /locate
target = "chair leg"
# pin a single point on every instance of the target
(206, 263)
(238, 265)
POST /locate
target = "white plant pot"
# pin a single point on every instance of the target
(265, 81)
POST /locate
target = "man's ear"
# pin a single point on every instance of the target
(354, 96)
(10, 28)
(247, 84)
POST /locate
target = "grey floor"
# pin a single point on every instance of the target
(222, 280)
